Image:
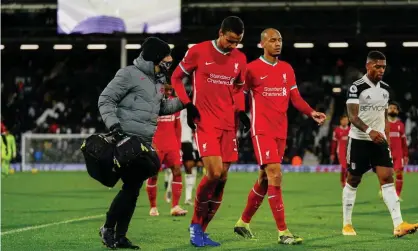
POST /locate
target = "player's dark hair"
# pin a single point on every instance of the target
(232, 24)
(376, 55)
(398, 106)
(343, 116)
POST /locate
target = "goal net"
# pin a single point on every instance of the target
(58, 152)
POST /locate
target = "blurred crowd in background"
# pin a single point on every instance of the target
(51, 91)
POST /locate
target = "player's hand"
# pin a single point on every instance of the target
(244, 120)
(332, 157)
(193, 115)
(319, 117)
(405, 161)
(117, 132)
(377, 137)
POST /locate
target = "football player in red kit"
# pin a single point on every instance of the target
(339, 146)
(217, 69)
(271, 83)
(398, 144)
(167, 143)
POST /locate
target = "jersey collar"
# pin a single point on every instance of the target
(267, 62)
(367, 80)
(218, 49)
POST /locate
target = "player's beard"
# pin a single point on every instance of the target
(392, 114)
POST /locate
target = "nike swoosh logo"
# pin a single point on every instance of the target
(209, 63)
(264, 77)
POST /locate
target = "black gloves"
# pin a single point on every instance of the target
(244, 120)
(117, 132)
(193, 115)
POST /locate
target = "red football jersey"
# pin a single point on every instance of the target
(398, 145)
(167, 135)
(339, 140)
(214, 74)
(271, 86)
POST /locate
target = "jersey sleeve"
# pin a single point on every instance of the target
(353, 95)
(189, 62)
(243, 69)
(291, 79)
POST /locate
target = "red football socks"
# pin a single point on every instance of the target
(276, 206)
(176, 187)
(254, 201)
(203, 194)
(214, 203)
(399, 183)
(152, 190)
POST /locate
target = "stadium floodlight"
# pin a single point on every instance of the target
(337, 45)
(2, 47)
(336, 90)
(410, 44)
(96, 46)
(375, 44)
(171, 46)
(132, 46)
(63, 46)
(29, 46)
(190, 45)
(303, 45)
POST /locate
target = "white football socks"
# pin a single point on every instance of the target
(391, 200)
(190, 183)
(168, 177)
(349, 197)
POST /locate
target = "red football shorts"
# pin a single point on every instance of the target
(217, 142)
(268, 150)
(169, 158)
(342, 159)
(398, 163)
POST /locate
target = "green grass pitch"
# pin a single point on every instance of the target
(312, 204)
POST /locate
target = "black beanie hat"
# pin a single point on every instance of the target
(155, 49)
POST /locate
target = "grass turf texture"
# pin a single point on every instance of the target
(312, 204)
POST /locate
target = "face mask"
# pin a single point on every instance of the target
(165, 66)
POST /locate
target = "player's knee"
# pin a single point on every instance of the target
(214, 174)
(353, 181)
(274, 173)
(176, 171)
(386, 179)
(399, 174)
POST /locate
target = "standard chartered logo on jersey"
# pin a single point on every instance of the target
(220, 79)
(375, 108)
(274, 92)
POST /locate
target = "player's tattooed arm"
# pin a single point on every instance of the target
(387, 126)
(352, 110)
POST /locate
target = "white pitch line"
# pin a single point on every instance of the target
(19, 230)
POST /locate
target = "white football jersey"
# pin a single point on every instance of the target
(373, 100)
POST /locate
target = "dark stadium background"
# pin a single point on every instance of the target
(34, 80)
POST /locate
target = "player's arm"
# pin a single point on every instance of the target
(387, 127)
(114, 92)
(184, 69)
(240, 86)
(404, 145)
(353, 111)
(333, 145)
